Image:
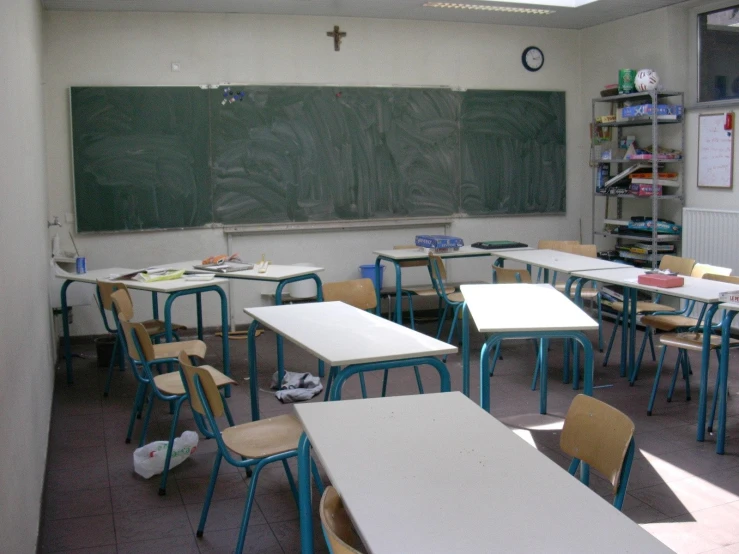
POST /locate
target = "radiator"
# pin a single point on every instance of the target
(711, 237)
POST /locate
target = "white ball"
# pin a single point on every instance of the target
(646, 79)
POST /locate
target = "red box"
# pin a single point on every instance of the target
(643, 189)
(661, 280)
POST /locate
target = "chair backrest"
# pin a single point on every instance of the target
(359, 293)
(734, 280)
(106, 288)
(142, 338)
(210, 390)
(121, 299)
(588, 250)
(597, 434)
(502, 276)
(337, 527)
(438, 274)
(699, 270)
(676, 264)
(555, 244)
(410, 263)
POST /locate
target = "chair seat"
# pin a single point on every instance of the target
(171, 383)
(423, 290)
(585, 294)
(173, 349)
(455, 297)
(265, 437)
(668, 322)
(156, 326)
(641, 307)
(692, 341)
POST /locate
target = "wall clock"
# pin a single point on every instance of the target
(532, 58)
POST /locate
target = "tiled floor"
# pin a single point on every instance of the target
(680, 490)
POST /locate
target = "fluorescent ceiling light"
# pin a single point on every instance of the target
(487, 8)
(557, 3)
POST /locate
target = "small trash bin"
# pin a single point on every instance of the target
(104, 346)
(368, 272)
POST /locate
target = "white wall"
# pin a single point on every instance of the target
(137, 49)
(25, 340)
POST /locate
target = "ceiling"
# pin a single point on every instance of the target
(588, 15)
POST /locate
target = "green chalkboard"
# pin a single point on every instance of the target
(158, 157)
(141, 158)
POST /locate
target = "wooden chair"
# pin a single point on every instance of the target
(454, 300)
(560, 245)
(676, 264)
(601, 436)
(359, 293)
(340, 535)
(254, 444)
(421, 290)
(154, 327)
(689, 341)
(678, 320)
(143, 356)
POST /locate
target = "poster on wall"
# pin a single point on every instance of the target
(716, 150)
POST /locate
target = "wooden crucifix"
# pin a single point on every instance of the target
(337, 35)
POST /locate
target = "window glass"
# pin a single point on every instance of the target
(718, 56)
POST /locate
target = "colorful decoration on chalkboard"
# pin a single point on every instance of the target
(229, 96)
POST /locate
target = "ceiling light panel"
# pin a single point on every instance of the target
(487, 8)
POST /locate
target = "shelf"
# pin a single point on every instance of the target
(649, 197)
(636, 96)
(629, 160)
(642, 238)
(638, 122)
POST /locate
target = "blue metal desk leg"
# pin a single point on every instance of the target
(65, 326)
(154, 305)
(543, 373)
(485, 373)
(633, 370)
(465, 350)
(624, 333)
(723, 379)
(705, 359)
(304, 496)
(199, 308)
(253, 378)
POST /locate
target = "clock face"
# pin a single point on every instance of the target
(532, 58)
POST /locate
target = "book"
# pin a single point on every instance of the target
(498, 244)
(625, 173)
(228, 267)
(732, 297)
(660, 182)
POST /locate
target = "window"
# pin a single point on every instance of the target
(718, 54)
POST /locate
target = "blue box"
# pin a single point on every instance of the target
(648, 109)
(439, 242)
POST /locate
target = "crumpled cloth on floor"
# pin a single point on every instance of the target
(296, 387)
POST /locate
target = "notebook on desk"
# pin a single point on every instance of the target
(498, 244)
(227, 267)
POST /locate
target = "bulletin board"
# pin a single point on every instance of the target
(716, 150)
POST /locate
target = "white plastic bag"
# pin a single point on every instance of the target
(149, 459)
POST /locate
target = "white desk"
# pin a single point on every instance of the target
(436, 474)
(700, 290)
(345, 336)
(173, 288)
(280, 274)
(523, 311)
(555, 260)
(411, 254)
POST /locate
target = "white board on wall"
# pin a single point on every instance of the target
(716, 150)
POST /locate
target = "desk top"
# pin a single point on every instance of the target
(701, 290)
(274, 272)
(729, 306)
(423, 253)
(556, 260)
(110, 274)
(434, 473)
(523, 307)
(341, 334)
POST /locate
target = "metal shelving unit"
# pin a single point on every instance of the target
(676, 165)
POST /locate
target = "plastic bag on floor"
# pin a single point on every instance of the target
(149, 459)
